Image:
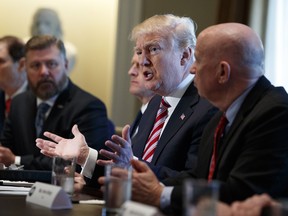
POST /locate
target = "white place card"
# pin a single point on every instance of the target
(50, 196)
(131, 208)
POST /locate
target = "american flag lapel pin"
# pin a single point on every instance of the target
(60, 106)
(182, 116)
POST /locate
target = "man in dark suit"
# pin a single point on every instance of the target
(46, 66)
(178, 146)
(165, 62)
(138, 89)
(13, 79)
(252, 156)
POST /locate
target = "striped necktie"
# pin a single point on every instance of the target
(156, 131)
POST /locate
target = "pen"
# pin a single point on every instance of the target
(95, 202)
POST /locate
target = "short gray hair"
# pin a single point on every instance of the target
(180, 29)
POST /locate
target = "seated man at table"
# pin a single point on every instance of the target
(13, 79)
(250, 156)
(64, 105)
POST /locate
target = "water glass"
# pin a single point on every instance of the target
(63, 173)
(117, 188)
(200, 197)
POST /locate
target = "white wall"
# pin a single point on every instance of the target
(89, 24)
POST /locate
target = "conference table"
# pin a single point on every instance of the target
(17, 205)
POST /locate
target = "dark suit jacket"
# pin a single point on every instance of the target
(2, 110)
(253, 157)
(178, 145)
(135, 123)
(73, 106)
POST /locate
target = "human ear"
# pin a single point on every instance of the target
(21, 64)
(186, 55)
(66, 64)
(223, 73)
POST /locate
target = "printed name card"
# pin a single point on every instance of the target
(50, 196)
(131, 208)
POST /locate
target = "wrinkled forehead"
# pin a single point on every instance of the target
(146, 40)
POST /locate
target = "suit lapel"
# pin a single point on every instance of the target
(30, 111)
(60, 103)
(2, 110)
(135, 123)
(2, 106)
(180, 115)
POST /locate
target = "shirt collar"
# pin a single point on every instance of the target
(235, 106)
(22, 88)
(177, 94)
(50, 101)
(144, 107)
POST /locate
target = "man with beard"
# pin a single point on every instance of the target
(66, 105)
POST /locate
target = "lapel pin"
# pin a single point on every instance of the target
(60, 106)
(182, 116)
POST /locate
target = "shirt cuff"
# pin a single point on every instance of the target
(165, 199)
(90, 163)
(17, 160)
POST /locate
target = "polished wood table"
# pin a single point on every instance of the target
(11, 205)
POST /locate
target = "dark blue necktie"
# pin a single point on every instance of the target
(40, 117)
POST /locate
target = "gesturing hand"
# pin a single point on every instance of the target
(121, 149)
(65, 148)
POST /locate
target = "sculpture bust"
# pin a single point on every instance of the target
(47, 21)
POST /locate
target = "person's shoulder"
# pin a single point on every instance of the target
(274, 97)
(83, 95)
(278, 94)
(25, 95)
(2, 94)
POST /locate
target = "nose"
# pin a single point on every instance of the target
(133, 70)
(43, 70)
(193, 69)
(143, 60)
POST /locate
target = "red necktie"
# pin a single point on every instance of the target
(156, 131)
(7, 106)
(217, 135)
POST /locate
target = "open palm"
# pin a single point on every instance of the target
(65, 148)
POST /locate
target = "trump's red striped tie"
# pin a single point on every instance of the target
(156, 131)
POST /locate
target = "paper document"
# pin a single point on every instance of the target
(16, 183)
(10, 190)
